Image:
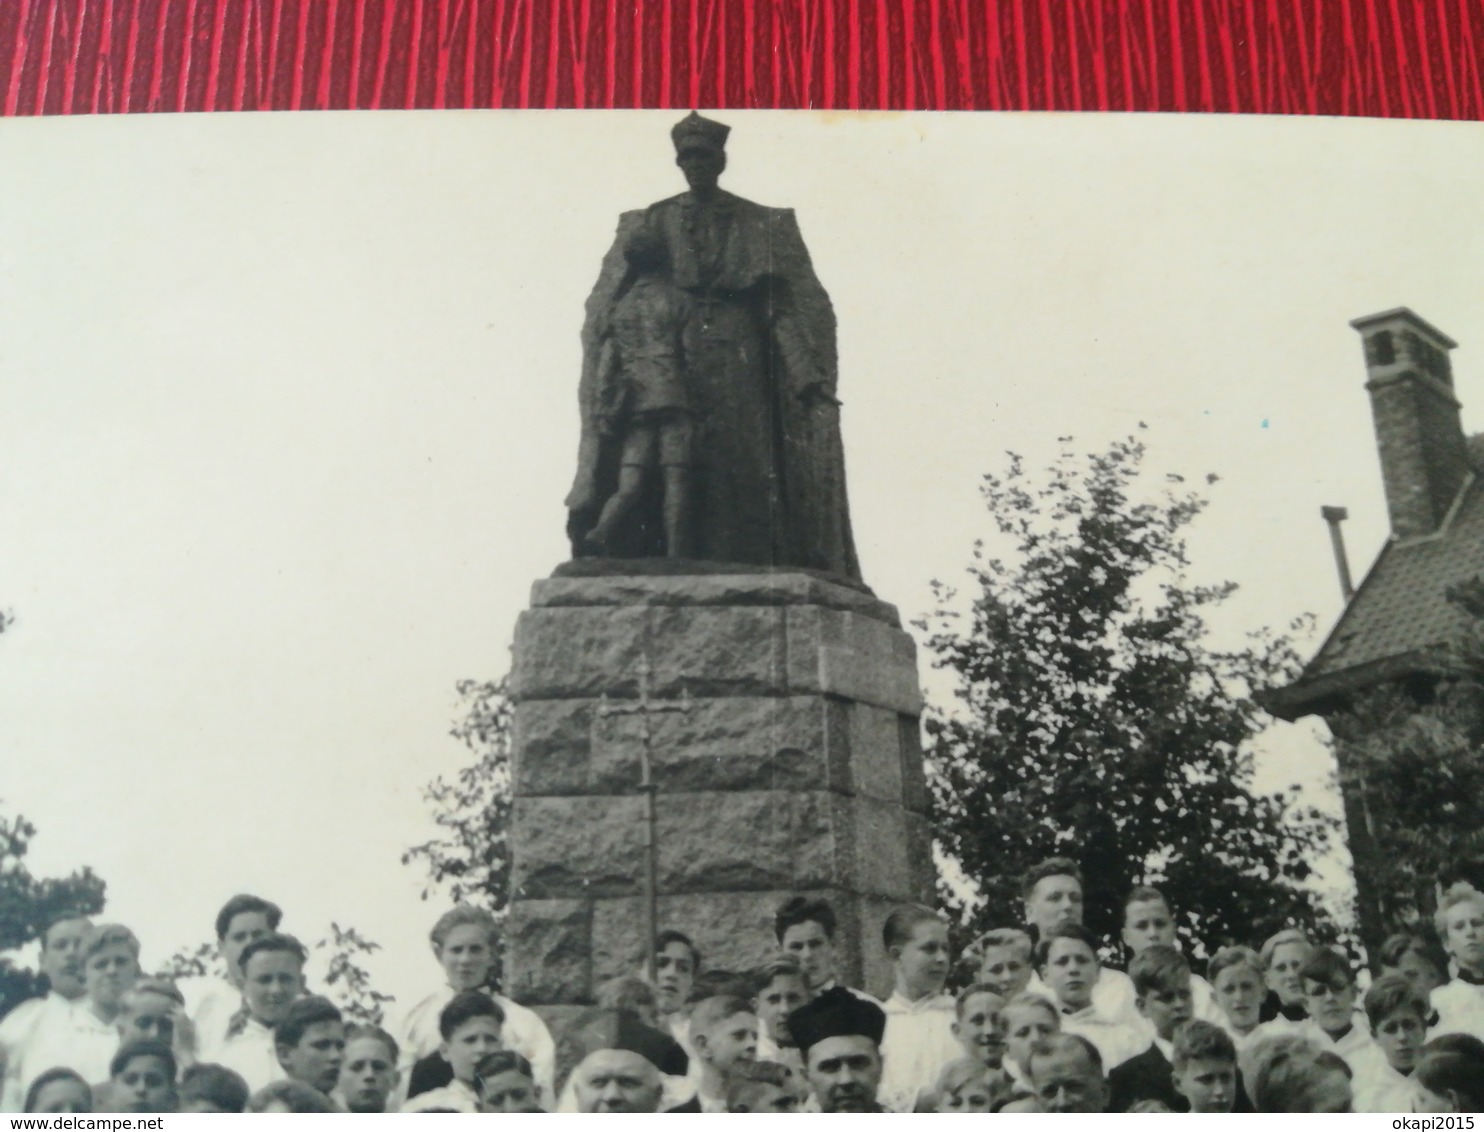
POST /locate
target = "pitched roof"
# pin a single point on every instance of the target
(1400, 609)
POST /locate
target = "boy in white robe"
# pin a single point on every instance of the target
(469, 1027)
(1052, 892)
(272, 979)
(918, 1041)
(1329, 996)
(1067, 962)
(35, 1020)
(211, 1002)
(463, 941)
(1460, 1003)
(1397, 1013)
(89, 1037)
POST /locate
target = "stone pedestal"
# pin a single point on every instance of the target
(796, 769)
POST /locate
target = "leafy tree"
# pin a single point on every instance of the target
(348, 983)
(470, 861)
(29, 904)
(1094, 718)
(1411, 758)
(203, 960)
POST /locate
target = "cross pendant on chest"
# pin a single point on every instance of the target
(644, 707)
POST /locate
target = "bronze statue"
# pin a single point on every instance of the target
(710, 428)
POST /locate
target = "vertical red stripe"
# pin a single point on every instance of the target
(327, 57)
(46, 60)
(1469, 54)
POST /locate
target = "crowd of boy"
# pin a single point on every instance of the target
(1044, 1026)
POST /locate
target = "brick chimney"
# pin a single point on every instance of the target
(1424, 459)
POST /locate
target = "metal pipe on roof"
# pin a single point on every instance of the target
(1334, 516)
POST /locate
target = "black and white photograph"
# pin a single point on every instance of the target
(741, 611)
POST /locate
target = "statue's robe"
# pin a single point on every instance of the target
(760, 359)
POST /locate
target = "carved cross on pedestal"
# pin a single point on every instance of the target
(644, 707)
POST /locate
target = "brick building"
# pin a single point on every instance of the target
(1400, 611)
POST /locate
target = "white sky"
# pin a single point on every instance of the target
(287, 413)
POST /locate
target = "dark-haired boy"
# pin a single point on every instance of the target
(212, 1002)
(1052, 894)
(1149, 920)
(273, 977)
(1204, 1060)
(677, 961)
(1068, 966)
(1329, 997)
(1397, 1012)
(141, 1078)
(368, 1074)
(1162, 994)
(470, 1026)
(212, 1088)
(310, 1042)
(805, 929)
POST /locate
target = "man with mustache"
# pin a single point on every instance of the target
(840, 1036)
(32, 1022)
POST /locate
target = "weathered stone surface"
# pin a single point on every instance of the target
(562, 653)
(549, 950)
(876, 976)
(575, 847)
(914, 778)
(726, 842)
(734, 930)
(717, 652)
(796, 768)
(565, 653)
(857, 658)
(921, 872)
(714, 589)
(875, 753)
(738, 743)
(874, 854)
(552, 745)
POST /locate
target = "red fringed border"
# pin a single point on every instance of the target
(1388, 58)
